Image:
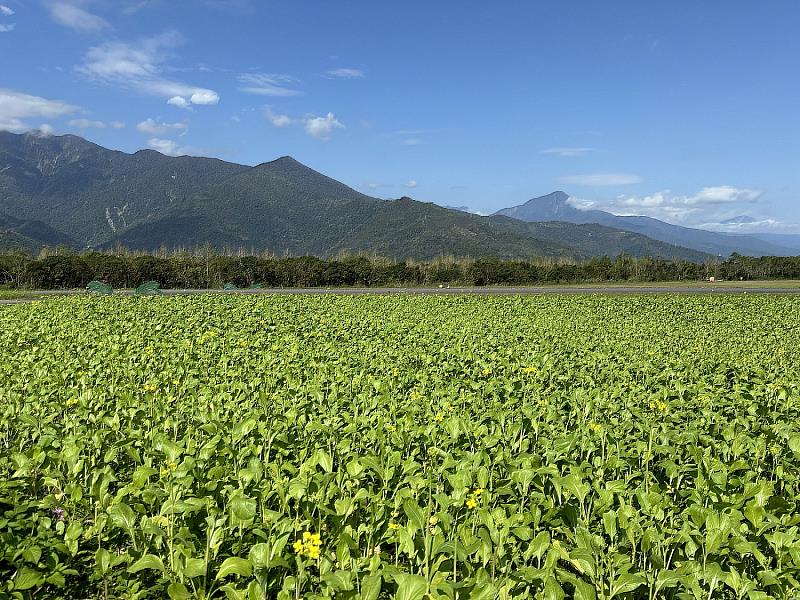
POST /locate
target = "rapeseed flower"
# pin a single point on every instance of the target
(309, 546)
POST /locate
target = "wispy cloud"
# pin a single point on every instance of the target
(411, 142)
(5, 11)
(168, 147)
(322, 128)
(7, 28)
(763, 225)
(568, 151)
(411, 183)
(45, 130)
(601, 179)
(267, 84)
(87, 124)
(16, 107)
(74, 16)
(276, 119)
(345, 73)
(139, 66)
(154, 128)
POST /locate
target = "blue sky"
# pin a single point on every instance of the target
(686, 111)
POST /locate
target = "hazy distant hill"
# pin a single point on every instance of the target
(555, 207)
(94, 197)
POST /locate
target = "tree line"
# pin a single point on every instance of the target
(206, 268)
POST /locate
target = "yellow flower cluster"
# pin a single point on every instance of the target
(167, 469)
(658, 406)
(309, 546)
(474, 498)
(394, 526)
(530, 370)
(595, 427)
(150, 388)
(486, 372)
(439, 417)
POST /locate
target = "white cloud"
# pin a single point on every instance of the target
(6, 28)
(117, 125)
(168, 147)
(321, 128)
(411, 183)
(179, 101)
(276, 119)
(267, 84)
(568, 151)
(71, 15)
(5, 10)
(154, 128)
(411, 142)
(346, 73)
(16, 106)
(45, 130)
(709, 205)
(601, 179)
(204, 97)
(139, 66)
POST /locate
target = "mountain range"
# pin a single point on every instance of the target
(65, 190)
(556, 207)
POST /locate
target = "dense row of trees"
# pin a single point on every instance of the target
(62, 269)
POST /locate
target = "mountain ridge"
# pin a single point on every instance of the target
(103, 198)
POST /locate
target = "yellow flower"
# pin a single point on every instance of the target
(394, 526)
(309, 546)
(439, 417)
(529, 370)
(486, 372)
(472, 503)
(595, 427)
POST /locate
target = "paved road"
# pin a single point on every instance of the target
(475, 291)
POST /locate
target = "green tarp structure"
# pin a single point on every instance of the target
(230, 286)
(256, 286)
(98, 287)
(149, 288)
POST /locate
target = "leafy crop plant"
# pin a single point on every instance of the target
(249, 447)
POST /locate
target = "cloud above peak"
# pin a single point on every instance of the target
(601, 179)
(154, 128)
(322, 128)
(16, 107)
(72, 15)
(140, 66)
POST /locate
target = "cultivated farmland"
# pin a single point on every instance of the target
(367, 447)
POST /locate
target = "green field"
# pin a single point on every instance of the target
(374, 447)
